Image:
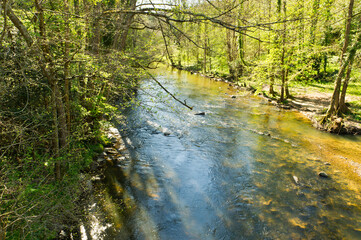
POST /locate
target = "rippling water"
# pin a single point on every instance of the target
(231, 173)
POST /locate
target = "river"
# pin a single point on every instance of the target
(244, 170)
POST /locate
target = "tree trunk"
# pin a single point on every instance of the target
(3, 33)
(287, 92)
(124, 35)
(76, 7)
(347, 30)
(301, 24)
(272, 80)
(232, 52)
(342, 105)
(67, 64)
(314, 20)
(19, 25)
(205, 49)
(270, 65)
(283, 64)
(96, 29)
(57, 167)
(327, 32)
(47, 66)
(126, 19)
(334, 105)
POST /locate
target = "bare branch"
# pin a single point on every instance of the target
(154, 79)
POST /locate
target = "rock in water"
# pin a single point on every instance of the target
(200, 114)
(323, 174)
(295, 179)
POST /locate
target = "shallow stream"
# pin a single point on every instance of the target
(244, 170)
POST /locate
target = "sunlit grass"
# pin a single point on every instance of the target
(356, 110)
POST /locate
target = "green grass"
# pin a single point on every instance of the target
(356, 110)
(354, 88)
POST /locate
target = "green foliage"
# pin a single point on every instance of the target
(34, 204)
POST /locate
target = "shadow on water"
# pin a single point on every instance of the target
(245, 170)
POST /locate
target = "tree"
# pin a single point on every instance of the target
(342, 103)
(335, 108)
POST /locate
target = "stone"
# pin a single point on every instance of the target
(295, 179)
(110, 150)
(339, 120)
(323, 174)
(96, 178)
(284, 106)
(200, 114)
(233, 96)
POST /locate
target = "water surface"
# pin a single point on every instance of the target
(228, 174)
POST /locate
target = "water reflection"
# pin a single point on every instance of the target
(229, 174)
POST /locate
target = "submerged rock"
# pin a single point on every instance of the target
(284, 106)
(323, 174)
(200, 114)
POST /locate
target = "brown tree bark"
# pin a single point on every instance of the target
(283, 64)
(3, 33)
(66, 58)
(334, 107)
(19, 25)
(95, 42)
(270, 66)
(342, 105)
(126, 20)
(205, 49)
(59, 115)
(347, 30)
(342, 101)
(232, 52)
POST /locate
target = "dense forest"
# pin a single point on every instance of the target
(67, 65)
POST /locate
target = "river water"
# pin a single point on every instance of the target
(244, 170)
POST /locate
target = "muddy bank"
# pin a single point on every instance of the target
(313, 106)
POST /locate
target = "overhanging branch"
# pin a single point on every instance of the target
(166, 90)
